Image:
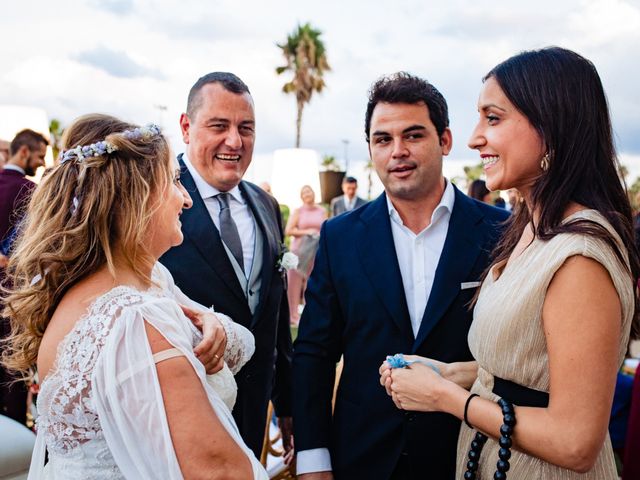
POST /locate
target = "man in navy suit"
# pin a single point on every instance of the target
(232, 245)
(397, 275)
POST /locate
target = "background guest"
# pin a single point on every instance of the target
(631, 465)
(479, 191)
(304, 228)
(27, 151)
(266, 186)
(348, 200)
(514, 199)
(4, 152)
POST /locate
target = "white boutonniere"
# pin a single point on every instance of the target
(287, 260)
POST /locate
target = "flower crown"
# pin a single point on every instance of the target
(104, 147)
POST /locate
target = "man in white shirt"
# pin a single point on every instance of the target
(348, 200)
(395, 276)
(233, 240)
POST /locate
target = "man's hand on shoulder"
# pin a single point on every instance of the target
(316, 476)
(210, 351)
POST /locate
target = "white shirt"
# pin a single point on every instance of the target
(349, 204)
(240, 212)
(11, 166)
(418, 257)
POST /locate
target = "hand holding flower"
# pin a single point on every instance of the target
(417, 388)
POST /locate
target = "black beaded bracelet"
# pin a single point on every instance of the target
(504, 454)
(466, 409)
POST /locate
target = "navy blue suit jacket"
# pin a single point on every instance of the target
(203, 271)
(356, 307)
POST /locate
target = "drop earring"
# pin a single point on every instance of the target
(544, 163)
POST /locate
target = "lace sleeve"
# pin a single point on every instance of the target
(125, 384)
(240, 343)
(128, 398)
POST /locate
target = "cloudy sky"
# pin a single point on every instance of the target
(134, 58)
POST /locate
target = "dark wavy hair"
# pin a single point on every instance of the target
(561, 95)
(402, 87)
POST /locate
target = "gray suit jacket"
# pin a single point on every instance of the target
(337, 205)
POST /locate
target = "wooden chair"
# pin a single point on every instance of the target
(272, 447)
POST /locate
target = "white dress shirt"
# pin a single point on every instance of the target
(418, 257)
(240, 212)
(349, 204)
(418, 254)
(11, 166)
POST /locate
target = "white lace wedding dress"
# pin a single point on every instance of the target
(101, 414)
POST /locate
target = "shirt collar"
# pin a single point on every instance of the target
(445, 206)
(205, 189)
(11, 166)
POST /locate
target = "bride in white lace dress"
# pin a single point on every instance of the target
(123, 393)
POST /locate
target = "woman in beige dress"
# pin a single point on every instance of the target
(554, 314)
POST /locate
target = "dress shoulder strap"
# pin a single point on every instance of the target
(167, 354)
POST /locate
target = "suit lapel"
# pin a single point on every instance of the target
(461, 248)
(200, 229)
(378, 256)
(271, 236)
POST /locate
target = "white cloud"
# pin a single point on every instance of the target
(167, 45)
(116, 63)
(118, 7)
(603, 22)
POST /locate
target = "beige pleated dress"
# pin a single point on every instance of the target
(507, 340)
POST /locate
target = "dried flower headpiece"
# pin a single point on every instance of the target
(104, 147)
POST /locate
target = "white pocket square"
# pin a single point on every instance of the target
(466, 285)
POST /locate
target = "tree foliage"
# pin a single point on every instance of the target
(56, 130)
(306, 58)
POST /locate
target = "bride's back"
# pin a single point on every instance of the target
(68, 420)
(72, 307)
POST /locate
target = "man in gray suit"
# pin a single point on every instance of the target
(349, 200)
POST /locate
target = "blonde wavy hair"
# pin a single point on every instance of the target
(60, 243)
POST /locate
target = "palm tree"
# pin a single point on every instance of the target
(56, 130)
(306, 58)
